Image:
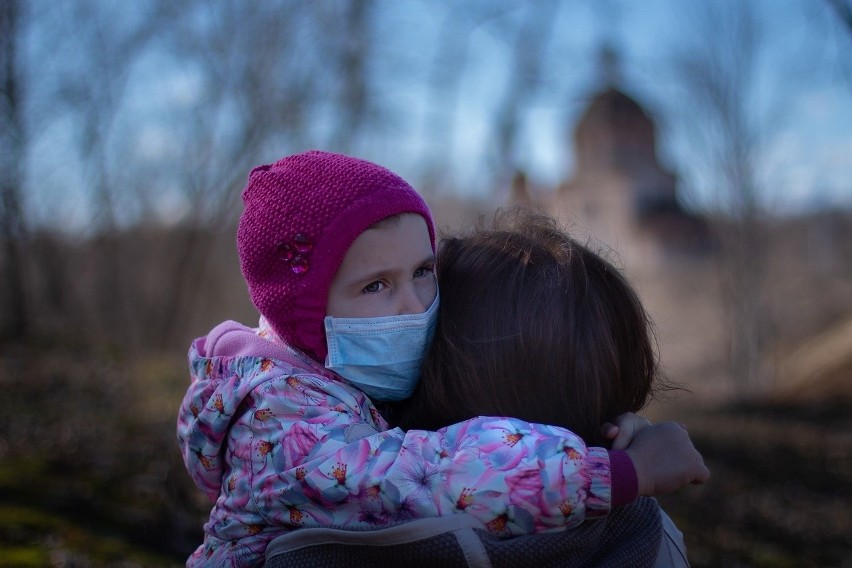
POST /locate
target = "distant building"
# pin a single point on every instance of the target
(619, 193)
(622, 198)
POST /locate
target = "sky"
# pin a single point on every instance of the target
(441, 98)
(801, 95)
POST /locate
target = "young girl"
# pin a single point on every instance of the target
(276, 428)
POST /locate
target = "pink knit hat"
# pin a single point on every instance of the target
(301, 215)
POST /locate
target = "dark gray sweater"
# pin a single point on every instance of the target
(629, 536)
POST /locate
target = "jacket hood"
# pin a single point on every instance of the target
(219, 385)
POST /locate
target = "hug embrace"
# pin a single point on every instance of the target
(489, 383)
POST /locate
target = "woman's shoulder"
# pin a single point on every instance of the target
(672, 552)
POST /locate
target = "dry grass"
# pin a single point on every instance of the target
(90, 472)
(781, 486)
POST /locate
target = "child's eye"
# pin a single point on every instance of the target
(374, 287)
(423, 271)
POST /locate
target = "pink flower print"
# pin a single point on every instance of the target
(465, 500)
(339, 473)
(252, 530)
(572, 454)
(371, 506)
(505, 453)
(342, 476)
(373, 517)
(263, 414)
(299, 442)
(219, 405)
(310, 391)
(372, 492)
(512, 438)
(295, 515)
(418, 479)
(264, 448)
(266, 364)
(409, 507)
(498, 524)
(238, 491)
(207, 462)
(375, 419)
(525, 490)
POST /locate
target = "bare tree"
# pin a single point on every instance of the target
(12, 148)
(842, 10)
(352, 57)
(522, 33)
(717, 71)
(264, 77)
(259, 86)
(528, 45)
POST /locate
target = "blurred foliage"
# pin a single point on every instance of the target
(90, 474)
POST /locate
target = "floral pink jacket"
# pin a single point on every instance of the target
(283, 443)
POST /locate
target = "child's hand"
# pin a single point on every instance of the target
(624, 430)
(665, 459)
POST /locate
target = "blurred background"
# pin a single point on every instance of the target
(706, 147)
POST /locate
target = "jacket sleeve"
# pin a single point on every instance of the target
(278, 450)
(324, 461)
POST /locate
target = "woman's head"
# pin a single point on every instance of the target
(301, 216)
(534, 325)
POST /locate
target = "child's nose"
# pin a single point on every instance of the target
(411, 302)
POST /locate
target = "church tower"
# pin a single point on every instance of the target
(618, 192)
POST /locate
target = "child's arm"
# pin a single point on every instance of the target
(281, 422)
(515, 477)
(277, 450)
(307, 450)
(529, 477)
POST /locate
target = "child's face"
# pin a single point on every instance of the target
(389, 270)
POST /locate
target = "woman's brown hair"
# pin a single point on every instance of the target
(534, 325)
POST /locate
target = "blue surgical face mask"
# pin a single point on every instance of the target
(380, 356)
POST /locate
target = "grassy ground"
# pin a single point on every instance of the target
(90, 474)
(781, 491)
(89, 469)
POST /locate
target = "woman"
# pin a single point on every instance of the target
(536, 326)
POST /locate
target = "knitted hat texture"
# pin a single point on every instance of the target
(301, 215)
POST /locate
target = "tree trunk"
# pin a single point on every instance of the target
(12, 142)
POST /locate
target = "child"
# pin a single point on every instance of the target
(276, 427)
